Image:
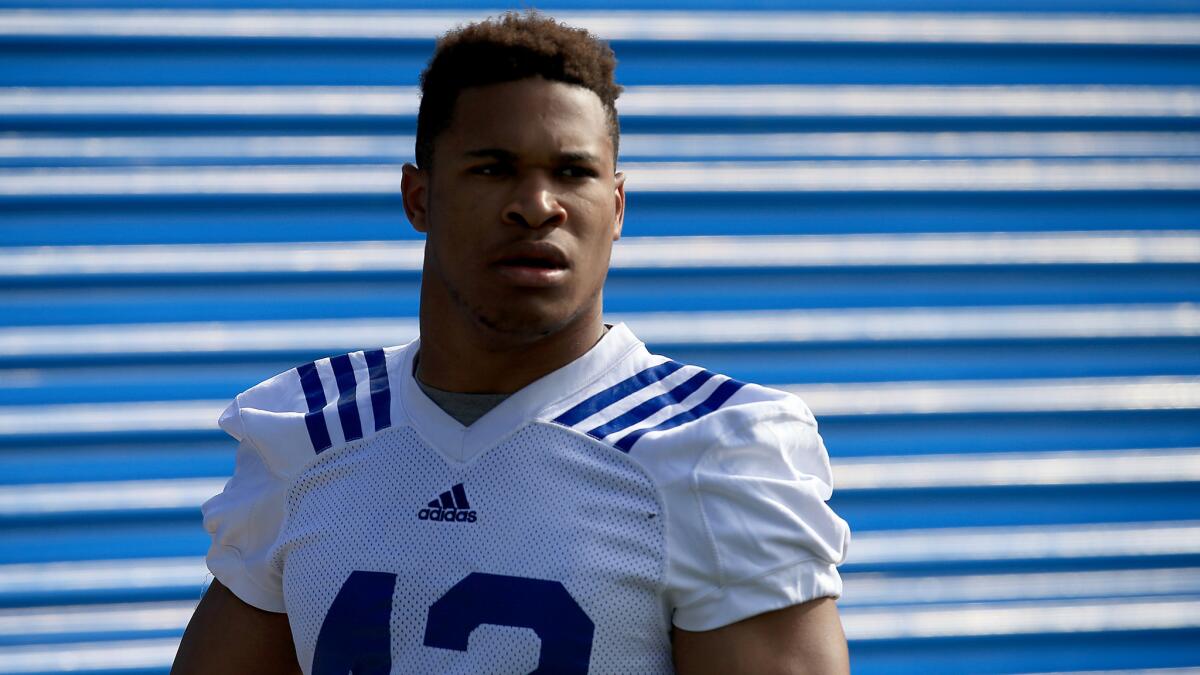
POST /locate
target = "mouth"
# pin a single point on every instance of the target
(525, 261)
(532, 264)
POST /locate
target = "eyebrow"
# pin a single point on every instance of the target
(582, 157)
(508, 156)
(492, 153)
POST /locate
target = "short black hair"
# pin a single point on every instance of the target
(507, 48)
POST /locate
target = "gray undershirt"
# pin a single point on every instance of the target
(465, 408)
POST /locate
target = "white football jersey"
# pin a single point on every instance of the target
(565, 531)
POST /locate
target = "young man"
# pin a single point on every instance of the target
(523, 488)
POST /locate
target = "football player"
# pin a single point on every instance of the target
(523, 488)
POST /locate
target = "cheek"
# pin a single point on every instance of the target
(597, 250)
(452, 224)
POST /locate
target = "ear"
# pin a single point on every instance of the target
(619, 196)
(414, 188)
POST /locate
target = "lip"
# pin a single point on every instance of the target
(542, 251)
(537, 264)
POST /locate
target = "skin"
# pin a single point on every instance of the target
(805, 639)
(524, 166)
(537, 163)
(226, 635)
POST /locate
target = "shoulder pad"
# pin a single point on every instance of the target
(300, 413)
(653, 396)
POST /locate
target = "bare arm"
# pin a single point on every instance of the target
(226, 635)
(805, 639)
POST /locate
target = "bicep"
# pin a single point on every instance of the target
(800, 640)
(227, 635)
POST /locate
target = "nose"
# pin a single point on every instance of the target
(535, 204)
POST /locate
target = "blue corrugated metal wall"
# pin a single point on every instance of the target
(965, 232)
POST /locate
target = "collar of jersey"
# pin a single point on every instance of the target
(463, 444)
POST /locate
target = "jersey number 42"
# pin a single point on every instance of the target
(355, 638)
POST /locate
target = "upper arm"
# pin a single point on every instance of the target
(227, 635)
(804, 639)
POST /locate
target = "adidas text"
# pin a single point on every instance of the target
(447, 515)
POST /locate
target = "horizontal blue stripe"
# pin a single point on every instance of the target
(314, 395)
(381, 393)
(646, 408)
(347, 406)
(715, 400)
(602, 400)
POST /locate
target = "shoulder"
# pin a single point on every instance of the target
(742, 474)
(307, 410)
(647, 402)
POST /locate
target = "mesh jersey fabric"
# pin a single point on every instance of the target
(624, 491)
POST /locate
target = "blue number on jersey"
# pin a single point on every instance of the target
(544, 606)
(355, 636)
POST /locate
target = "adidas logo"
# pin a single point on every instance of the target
(450, 507)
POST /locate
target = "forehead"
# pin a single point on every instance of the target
(528, 117)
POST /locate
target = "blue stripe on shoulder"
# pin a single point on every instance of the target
(646, 408)
(602, 400)
(381, 394)
(347, 406)
(714, 401)
(314, 395)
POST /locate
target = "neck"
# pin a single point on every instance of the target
(462, 356)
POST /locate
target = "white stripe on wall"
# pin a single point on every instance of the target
(255, 336)
(912, 175)
(865, 27)
(915, 144)
(399, 148)
(103, 575)
(1019, 101)
(1002, 396)
(1091, 467)
(1107, 540)
(1026, 175)
(128, 495)
(1095, 467)
(1021, 618)
(910, 101)
(908, 398)
(76, 656)
(702, 252)
(860, 624)
(43, 621)
(703, 328)
(92, 418)
(878, 588)
(861, 588)
(820, 325)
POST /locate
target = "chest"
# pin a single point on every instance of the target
(546, 551)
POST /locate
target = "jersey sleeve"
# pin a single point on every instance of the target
(749, 530)
(244, 521)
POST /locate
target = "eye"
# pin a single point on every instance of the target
(491, 169)
(576, 171)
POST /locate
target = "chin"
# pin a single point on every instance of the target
(521, 327)
(529, 323)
